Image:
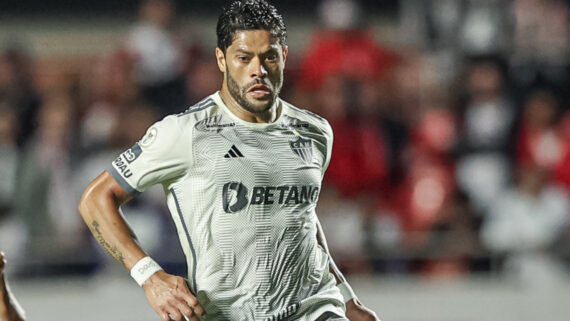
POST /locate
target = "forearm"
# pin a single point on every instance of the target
(9, 308)
(99, 208)
(167, 294)
(4, 299)
(332, 266)
(345, 289)
(355, 310)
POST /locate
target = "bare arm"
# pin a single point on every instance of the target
(355, 310)
(99, 206)
(10, 310)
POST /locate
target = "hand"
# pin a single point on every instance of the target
(170, 297)
(355, 311)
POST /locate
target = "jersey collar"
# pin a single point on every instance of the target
(258, 126)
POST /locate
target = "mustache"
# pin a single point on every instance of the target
(258, 82)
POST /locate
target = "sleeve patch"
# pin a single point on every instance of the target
(122, 167)
(132, 153)
(149, 137)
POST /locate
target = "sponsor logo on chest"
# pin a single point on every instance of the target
(236, 196)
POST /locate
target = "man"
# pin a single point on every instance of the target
(242, 170)
(10, 310)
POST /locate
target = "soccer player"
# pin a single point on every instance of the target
(10, 310)
(242, 170)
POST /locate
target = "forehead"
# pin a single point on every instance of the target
(254, 40)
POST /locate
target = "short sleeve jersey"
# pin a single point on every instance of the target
(242, 196)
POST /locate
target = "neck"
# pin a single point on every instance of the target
(267, 116)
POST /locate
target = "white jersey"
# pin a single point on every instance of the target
(243, 197)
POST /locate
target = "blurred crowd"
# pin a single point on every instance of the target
(451, 153)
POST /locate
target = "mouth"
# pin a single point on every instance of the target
(259, 91)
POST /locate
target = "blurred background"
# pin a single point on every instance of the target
(447, 194)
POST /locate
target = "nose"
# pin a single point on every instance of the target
(258, 70)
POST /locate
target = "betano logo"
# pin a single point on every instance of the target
(235, 195)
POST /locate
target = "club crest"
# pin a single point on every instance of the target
(303, 148)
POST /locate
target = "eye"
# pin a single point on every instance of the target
(272, 57)
(243, 59)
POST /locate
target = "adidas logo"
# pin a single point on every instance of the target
(233, 153)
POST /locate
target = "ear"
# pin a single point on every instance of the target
(221, 60)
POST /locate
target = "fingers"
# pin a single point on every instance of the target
(191, 308)
(181, 309)
(193, 303)
(180, 313)
(176, 315)
(199, 310)
(171, 298)
(188, 312)
(194, 317)
(164, 316)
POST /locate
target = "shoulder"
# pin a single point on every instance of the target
(314, 126)
(294, 110)
(163, 134)
(202, 106)
(311, 118)
(186, 120)
(176, 129)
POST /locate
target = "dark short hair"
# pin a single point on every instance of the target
(249, 15)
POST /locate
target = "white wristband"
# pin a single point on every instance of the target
(144, 269)
(346, 291)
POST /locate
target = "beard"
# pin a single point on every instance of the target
(239, 94)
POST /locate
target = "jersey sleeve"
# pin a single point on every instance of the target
(161, 155)
(328, 133)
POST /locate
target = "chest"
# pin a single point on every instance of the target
(273, 157)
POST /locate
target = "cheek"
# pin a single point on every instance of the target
(237, 76)
(236, 70)
(277, 76)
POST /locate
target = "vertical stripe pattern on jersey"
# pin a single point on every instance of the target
(188, 239)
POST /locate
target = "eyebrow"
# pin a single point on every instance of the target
(272, 48)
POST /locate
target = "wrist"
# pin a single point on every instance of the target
(144, 269)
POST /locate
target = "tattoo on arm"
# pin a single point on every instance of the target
(111, 249)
